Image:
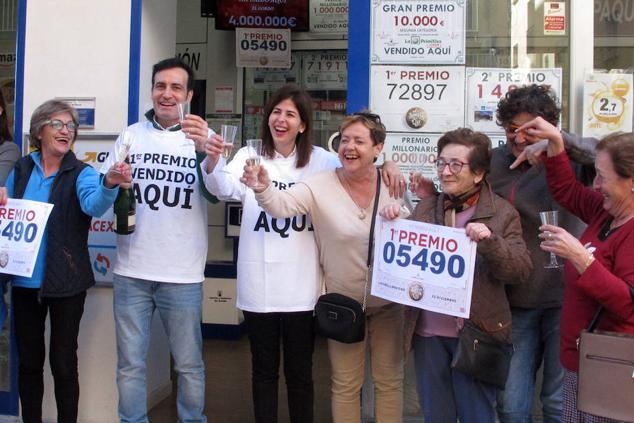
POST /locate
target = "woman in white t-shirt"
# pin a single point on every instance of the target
(279, 276)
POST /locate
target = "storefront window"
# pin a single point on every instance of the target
(323, 73)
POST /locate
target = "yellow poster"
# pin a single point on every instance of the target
(607, 104)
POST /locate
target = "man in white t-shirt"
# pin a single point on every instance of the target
(160, 266)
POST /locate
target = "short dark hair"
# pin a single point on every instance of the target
(537, 100)
(43, 114)
(304, 140)
(368, 119)
(478, 143)
(171, 63)
(620, 148)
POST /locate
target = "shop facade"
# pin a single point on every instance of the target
(350, 55)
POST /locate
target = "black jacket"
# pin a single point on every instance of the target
(67, 268)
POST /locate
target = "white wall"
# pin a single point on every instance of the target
(80, 48)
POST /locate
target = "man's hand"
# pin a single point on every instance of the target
(196, 129)
(532, 153)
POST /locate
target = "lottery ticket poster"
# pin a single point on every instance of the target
(486, 86)
(418, 98)
(22, 224)
(607, 104)
(418, 32)
(423, 265)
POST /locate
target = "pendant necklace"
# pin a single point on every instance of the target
(348, 188)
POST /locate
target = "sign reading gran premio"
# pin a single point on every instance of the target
(418, 99)
(413, 31)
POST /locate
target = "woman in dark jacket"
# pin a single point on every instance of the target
(62, 272)
(468, 202)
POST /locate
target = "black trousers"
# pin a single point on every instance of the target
(30, 316)
(294, 330)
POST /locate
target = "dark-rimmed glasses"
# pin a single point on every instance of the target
(455, 166)
(58, 125)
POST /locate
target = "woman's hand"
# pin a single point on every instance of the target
(119, 174)
(391, 211)
(255, 177)
(477, 231)
(213, 149)
(420, 185)
(561, 242)
(394, 179)
(4, 196)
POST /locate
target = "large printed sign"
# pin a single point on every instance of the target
(607, 104)
(22, 224)
(424, 265)
(329, 16)
(263, 48)
(412, 152)
(325, 70)
(486, 86)
(418, 99)
(413, 31)
(292, 14)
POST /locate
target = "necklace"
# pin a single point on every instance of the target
(348, 188)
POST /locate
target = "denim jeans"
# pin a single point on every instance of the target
(180, 309)
(30, 317)
(535, 338)
(446, 394)
(294, 330)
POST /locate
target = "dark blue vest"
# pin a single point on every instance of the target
(67, 269)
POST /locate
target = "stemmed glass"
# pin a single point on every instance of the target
(228, 134)
(550, 217)
(254, 149)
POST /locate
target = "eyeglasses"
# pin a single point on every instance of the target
(369, 116)
(58, 125)
(455, 166)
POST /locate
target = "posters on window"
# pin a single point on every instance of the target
(607, 104)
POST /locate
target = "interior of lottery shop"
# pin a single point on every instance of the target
(499, 34)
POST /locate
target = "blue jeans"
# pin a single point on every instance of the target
(180, 310)
(535, 338)
(446, 394)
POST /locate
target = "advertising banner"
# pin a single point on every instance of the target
(291, 14)
(263, 48)
(421, 32)
(325, 70)
(22, 224)
(329, 16)
(607, 104)
(418, 99)
(424, 265)
(486, 86)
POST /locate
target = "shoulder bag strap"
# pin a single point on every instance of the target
(371, 240)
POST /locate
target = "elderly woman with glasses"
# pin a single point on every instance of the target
(340, 204)
(62, 271)
(468, 202)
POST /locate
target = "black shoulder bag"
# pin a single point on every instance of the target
(338, 316)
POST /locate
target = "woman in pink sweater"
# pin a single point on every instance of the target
(599, 270)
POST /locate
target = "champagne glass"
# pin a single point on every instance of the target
(183, 109)
(228, 134)
(550, 217)
(254, 149)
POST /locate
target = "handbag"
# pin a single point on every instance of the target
(338, 316)
(605, 384)
(482, 356)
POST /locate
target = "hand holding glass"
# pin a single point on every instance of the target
(228, 134)
(551, 218)
(254, 149)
